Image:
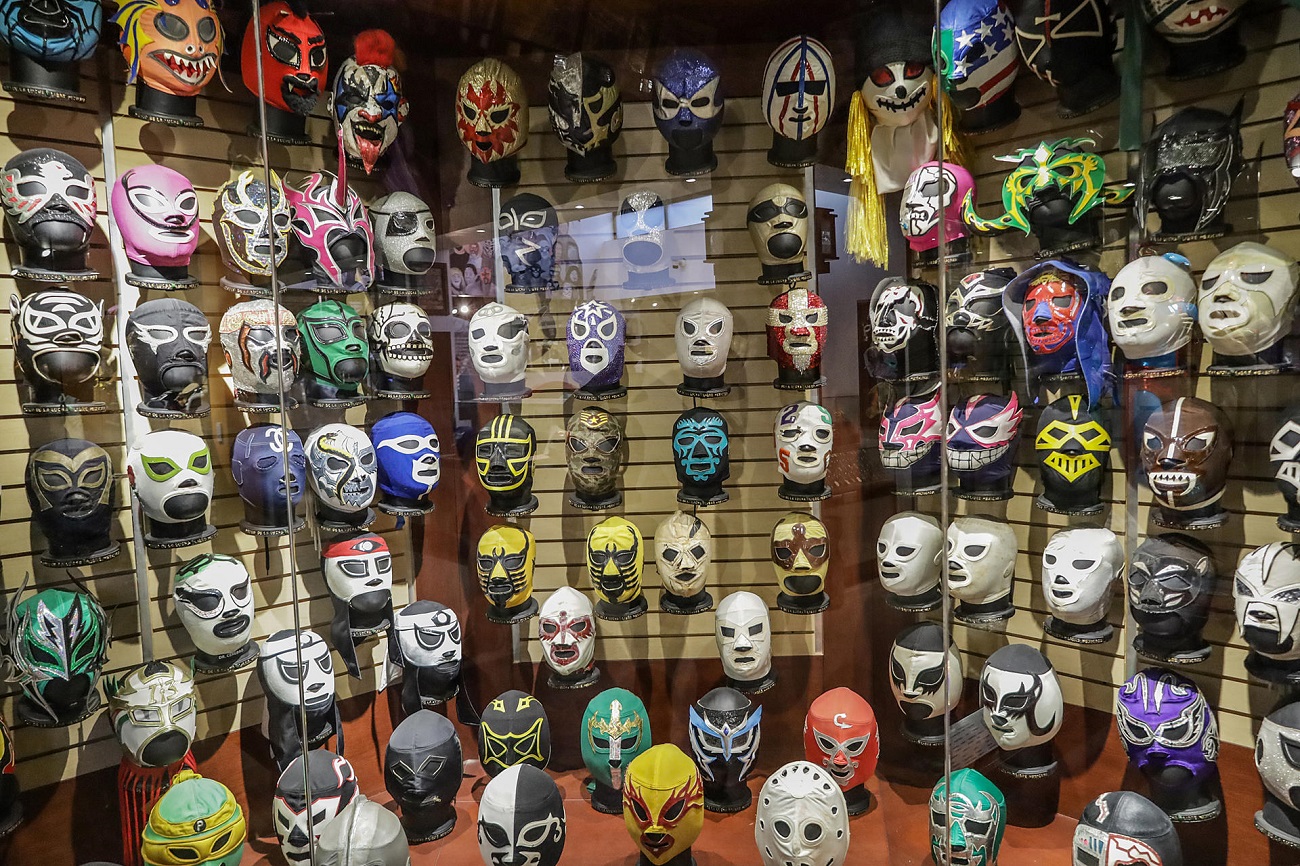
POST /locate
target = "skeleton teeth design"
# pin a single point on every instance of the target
(968, 461)
(903, 105)
(900, 458)
(1172, 482)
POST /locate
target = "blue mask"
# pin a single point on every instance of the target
(596, 335)
(724, 735)
(700, 443)
(257, 462)
(66, 34)
(408, 452)
(977, 39)
(688, 107)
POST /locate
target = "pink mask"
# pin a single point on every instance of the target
(157, 212)
(933, 193)
(333, 226)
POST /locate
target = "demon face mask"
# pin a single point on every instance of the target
(323, 788)
(157, 213)
(703, 335)
(1072, 447)
(153, 712)
(170, 46)
(257, 462)
(368, 104)
(498, 348)
(743, 630)
(409, 456)
(701, 453)
(1121, 827)
(586, 112)
(528, 227)
(1152, 309)
(567, 629)
(688, 107)
(263, 348)
(683, 554)
(503, 455)
(798, 98)
(904, 323)
(910, 431)
(934, 192)
(70, 491)
(1069, 45)
(1284, 458)
(596, 338)
(334, 233)
(56, 642)
(514, 731)
(724, 733)
(422, 772)
(801, 818)
(983, 432)
(521, 819)
(921, 660)
(168, 340)
(506, 554)
(593, 441)
(615, 729)
(979, 62)
(803, 436)
(801, 558)
(1200, 35)
(797, 322)
(195, 821)
(171, 474)
(1167, 728)
(1080, 567)
(968, 816)
(214, 600)
(341, 469)
(1246, 303)
(981, 566)
(615, 562)
(1266, 595)
(1020, 697)
(401, 345)
(57, 338)
(778, 226)
(907, 557)
(294, 61)
(492, 120)
(251, 223)
(335, 349)
(976, 328)
(663, 803)
(359, 575)
(841, 736)
(1186, 452)
(1187, 171)
(427, 646)
(405, 235)
(49, 202)
(1170, 585)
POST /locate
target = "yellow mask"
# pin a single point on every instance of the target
(615, 559)
(505, 565)
(197, 821)
(663, 802)
(800, 553)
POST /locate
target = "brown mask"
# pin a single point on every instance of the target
(1186, 450)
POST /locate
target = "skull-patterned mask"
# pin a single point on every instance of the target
(401, 348)
(1284, 458)
(904, 324)
(910, 431)
(934, 192)
(976, 328)
(498, 348)
(341, 463)
(251, 223)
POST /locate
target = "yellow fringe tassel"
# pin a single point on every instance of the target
(866, 236)
(954, 147)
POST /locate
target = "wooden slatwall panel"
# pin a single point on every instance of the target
(208, 157)
(716, 258)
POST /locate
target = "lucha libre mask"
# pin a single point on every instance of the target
(341, 469)
(1167, 729)
(334, 233)
(171, 47)
(364, 832)
(422, 772)
(157, 213)
(171, 474)
(593, 441)
(803, 436)
(45, 42)
(214, 600)
(289, 663)
(1186, 451)
(49, 202)
(294, 61)
(934, 192)
(153, 712)
(323, 788)
(645, 246)
(257, 462)
(910, 431)
(1122, 827)
(1080, 567)
(1020, 697)
(521, 819)
(70, 491)
(1170, 585)
(498, 347)
(1284, 458)
(900, 86)
(586, 111)
(976, 328)
(492, 120)
(57, 338)
(1277, 759)
(798, 98)
(1268, 607)
(368, 104)
(983, 432)
(904, 321)
(840, 735)
(401, 348)
(409, 457)
(703, 334)
(168, 339)
(528, 227)
(405, 235)
(196, 821)
(743, 631)
(1246, 303)
(335, 349)
(778, 226)
(801, 818)
(1152, 308)
(359, 575)
(663, 803)
(615, 562)
(981, 565)
(262, 346)
(725, 732)
(615, 730)
(979, 62)
(505, 571)
(968, 816)
(921, 660)
(251, 223)
(1072, 447)
(56, 644)
(797, 323)
(688, 107)
(701, 452)
(567, 630)
(596, 336)
(907, 556)
(503, 454)
(427, 646)
(11, 809)
(801, 558)
(1201, 37)
(683, 554)
(1069, 46)
(514, 731)
(1188, 166)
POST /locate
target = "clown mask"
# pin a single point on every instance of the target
(907, 555)
(341, 464)
(324, 787)
(49, 203)
(703, 335)
(778, 226)
(262, 346)
(925, 672)
(683, 554)
(968, 816)
(168, 340)
(615, 561)
(615, 730)
(1167, 728)
(514, 731)
(259, 465)
(1247, 299)
(802, 819)
(157, 212)
(700, 452)
(724, 733)
(214, 600)
(593, 443)
(1186, 452)
(904, 324)
(56, 644)
(586, 112)
(797, 322)
(1020, 697)
(368, 104)
(498, 347)
(1072, 447)
(663, 803)
(898, 93)
(528, 227)
(171, 474)
(492, 120)
(335, 349)
(405, 234)
(196, 821)
(153, 712)
(981, 560)
(401, 341)
(1152, 307)
(251, 223)
(688, 107)
(798, 97)
(1080, 567)
(409, 456)
(171, 46)
(840, 735)
(801, 558)
(567, 630)
(596, 341)
(521, 819)
(505, 568)
(294, 62)
(743, 631)
(934, 192)
(979, 62)
(1267, 602)
(334, 233)
(803, 436)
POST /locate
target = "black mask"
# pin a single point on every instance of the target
(503, 453)
(514, 730)
(57, 338)
(285, 660)
(422, 771)
(587, 115)
(724, 734)
(977, 331)
(1072, 447)
(49, 202)
(70, 491)
(528, 227)
(904, 325)
(11, 810)
(168, 339)
(1123, 827)
(1187, 171)
(1068, 43)
(1284, 457)
(1170, 586)
(701, 455)
(425, 641)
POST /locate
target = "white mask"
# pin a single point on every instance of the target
(153, 712)
(342, 468)
(981, 559)
(1277, 755)
(803, 437)
(1247, 299)
(498, 344)
(802, 819)
(703, 334)
(894, 99)
(799, 88)
(928, 193)
(567, 630)
(171, 473)
(1266, 597)
(1151, 308)
(1020, 697)
(743, 631)
(281, 670)
(683, 551)
(1079, 568)
(357, 566)
(214, 600)
(918, 666)
(428, 634)
(908, 552)
(401, 340)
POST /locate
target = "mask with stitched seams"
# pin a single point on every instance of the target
(1080, 567)
(521, 819)
(907, 555)
(663, 803)
(1125, 829)
(359, 575)
(157, 212)
(724, 733)
(841, 736)
(57, 336)
(1152, 308)
(1186, 453)
(329, 786)
(1246, 305)
(196, 822)
(743, 630)
(49, 202)
(968, 815)
(1170, 585)
(1020, 697)
(1072, 448)
(921, 659)
(514, 731)
(1167, 728)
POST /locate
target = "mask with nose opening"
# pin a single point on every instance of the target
(1188, 167)
(1170, 585)
(1022, 708)
(797, 324)
(978, 60)
(968, 815)
(703, 335)
(593, 445)
(934, 192)
(1277, 759)
(981, 566)
(567, 629)
(168, 340)
(688, 108)
(1151, 311)
(528, 226)
(498, 348)
(1284, 458)
(840, 735)
(409, 458)
(801, 818)
(157, 213)
(251, 223)
(1246, 306)
(1123, 827)
(69, 486)
(49, 202)
(615, 729)
(336, 353)
(213, 596)
(492, 121)
(683, 554)
(1266, 597)
(983, 435)
(263, 351)
(743, 631)
(56, 643)
(642, 231)
(172, 49)
(977, 331)
(663, 804)
(798, 98)
(335, 239)
(257, 462)
(701, 453)
(909, 436)
(1186, 452)
(597, 333)
(153, 712)
(514, 732)
(586, 110)
(46, 41)
(422, 773)
(801, 558)
(1080, 567)
(725, 733)
(359, 575)
(803, 436)
(401, 350)
(343, 476)
(1072, 447)
(290, 662)
(1069, 45)
(521, 819)
(925, 675)
(778, 226)
(58, 337)
(293, 69)
(506, 554)
(615, 563)
(405, 238)
(427, 646)
(503, 455)
(907, 557)
(170, 472)
(365, 832)
(904, 329)
(1200, 36)
(323, 788)
(367, 102)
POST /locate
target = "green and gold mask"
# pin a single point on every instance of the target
(615, 729)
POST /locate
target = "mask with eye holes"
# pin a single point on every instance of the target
(904, 325)
(157, 212)
(359, 574)
(251, 223)
(170, 472)
(335, 238)
(521, 819)
(976, 328)
(586, 110)
(336, 353)
(409, 458)
(367, 102)
(593, 444)
(172, 48)
(422, 773)
(840, 735)
(426, 643)
(803, 436)
(214, 600)
(933, 192)
(688, 109)
(798, 98)
(1020, 698)
(401, 350)
(703, 336)
(797, 323)
(683, 554)
(343, 475)
(1170, 585)
(1072, 447)
(263, 351)
(801, 559)
(981, 566)
(978, 60)
(514, 732)
(567, 629)
(778, 226)
(743, 630)
(663, 804)
(498, 348)
(701, 453)
(1121, 828)
(1186, 452)
(153, 712)
(1284, 458)
(615, 729)
(642, 231)
(1069, 45)
(921, 659)
(1277, 759)
(1201, 36)
(57, 336)
(1080, 567)
(909, 436)
(324, 788)
(406, 238)
(983, 434)
(46, 40)
(1266, 597)
(503, 455)
(70, 491)
(907, 557)
(1152, 310)
(1169, 733)
(615, 562)
(528, 226)
(1187, 170)
(1246, 306)
(801, 819)
(505, 572)
(49, 202)
(724, 733)
(492, 120)
(597, 334)
(293, 68)
(287, 662)
(968, 815)
(257, 462)
(168, 340)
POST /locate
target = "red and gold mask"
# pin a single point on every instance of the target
(294, 63)
(1050, 312)
(663, 802)
(173, 45)
(491, 111)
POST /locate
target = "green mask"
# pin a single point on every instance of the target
(615, 729)
(58, 642)
(334, 343)
(197, 822)
(979, 817)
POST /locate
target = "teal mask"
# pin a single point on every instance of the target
(57, 641)
(615, 729)
(979, 817)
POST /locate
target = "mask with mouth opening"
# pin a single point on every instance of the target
(909, 436)
(566, 627)
(521, 819)
(342, 468)
(596, 338)
(171, 474)
(1200, 35)
(1125, 828)
(70, 491)
(1170, 585)
(724, 733)
(921, 659)
(983, 433)
(841, 736)
(969, 814)
(976, 328)
(798, 98)
(409, 456)
(329, 785)
(1266, 597)
(56, 643)
(334, 232)
(803, 436)
(1167, 728)
(907, 554)
(168, 340)
(801, 819)
(701, 453)
(498, 347)
(615, 730)
(797, 324)
(1284, 458)
(743, 630)
(214, 600)
(1152, 308)
(514, 732)
(1277, 760)
(257, 463)
(492, 120)
(422, 773)
(505, 566)
(683, 554)
(49, 202)
(615, 561)
(586, 110)
(979, 62)
(1187, 170)
(157, 213)
(933, 192)
(153, 712)
(171, 46)
(981, 560)
(703, 335)
(688, 107)
(367, 103)
(1080, 567)
(904, 328)
(252, 223)
(801, 559)
(1186, 452)
(528, 227)
(289, 661)
(359, 575)
(1068, 44)
(1246, 303)
(57, 337)
(405, 234)
(643, 236)
(1072, 448)
(401, 341)
(504, 452)
(294, 60)
(778, 226)
(593, 442)
(1020, 697)
(426, 644)
(262, 346)
(335, 349)
(663, 803)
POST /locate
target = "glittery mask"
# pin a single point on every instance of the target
(491, 111)
(596, 336)
(797, 322)
(687, 99)
(584, 103)
(252, 225)
(1164, 722)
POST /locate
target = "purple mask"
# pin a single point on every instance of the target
(982, 434)
(157, 212)
(909, 438)
(596, 336)
(688, 106)
(1164, 722)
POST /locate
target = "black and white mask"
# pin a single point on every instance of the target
(521, 819)
(1020, 697)
(57, 336)
(401, 340)
(1284, 458)
(288, 660)
(331, 785)
(1079, 568)
(907, 553)
(428, 647)
(214, 600)
(168, 339)
(1266, 596)
(404, 233)
(342, 469)
(981, 559)
(1277, 754)
(919, 662)
(1170, 585)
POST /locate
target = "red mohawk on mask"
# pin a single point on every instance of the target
(375, 48)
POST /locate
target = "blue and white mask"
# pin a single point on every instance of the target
(700, 443)
(979, 52)
(409, 455)
(55, 31)
(724, 733)
(597, 332)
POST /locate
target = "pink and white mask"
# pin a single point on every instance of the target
(157, 212)
(934, 191)
(334, 228)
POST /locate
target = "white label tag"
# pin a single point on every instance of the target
(969, 740)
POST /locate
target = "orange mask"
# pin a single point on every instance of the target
(173, 45)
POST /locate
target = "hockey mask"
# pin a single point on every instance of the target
(504, 452)
(364, 832)
(172, 46)
(567, 630)
(799, 88)
(514, 731)
(907, 553)
(921, 660)
(157, 212)
(797, 321)
(168, 339)
(1284, 458)
(491, 111)
(978, 52)
(1165, 724)
(593, 443)
(334, 343)
(803, 436)
(981, 559)
(368, 104)
(596, 342)
(262, 346)
(1247, 299)
(743, 630)
(330, 785)
(294, 61)
(1020, 697)
(1186, 452)
(976, 328)
(701, 448)
(342, 467)
(528, 227)
(703, 334)
(1121, 828)
(1277, 754)
(1080, 567)
(983, 432)
(334, 230)
(49, 202)
(687, 99)
(409, 456)
(584, 102)
(505, 565)
(422, 773)
(724, 732)
(904, 324)
(1266, 595)
(289, 660)
(57, 336)
(171, 474)
(909, 433)
(153, 712)
(70, 491)
(1072, 447)
(934, 191)
(401, 340)
(252, 223)
(405, 233)
(257, 462)
(428, 647)
(615, 560)
(1170, 585)
(663, 803)
(1188, 166)
(56, 643)
(841, 736)
(898, 93)
(214, 600)
(802, 819)
(642, 229)
(969, 814)
(1064, 44)
(196, 822)
(1152, 307)
(521, 819)
(615, 730)
(683, 554)
(778, 224)
(800, 554)
(52, 31)
(498, 344)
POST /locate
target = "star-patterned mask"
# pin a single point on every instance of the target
(367, 102)
(979, 62)
(514, 731)
(596, 340)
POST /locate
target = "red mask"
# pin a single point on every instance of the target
(490, 103)
(1051, 309)
(294, 63)
(796, 329)
(841, 735)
